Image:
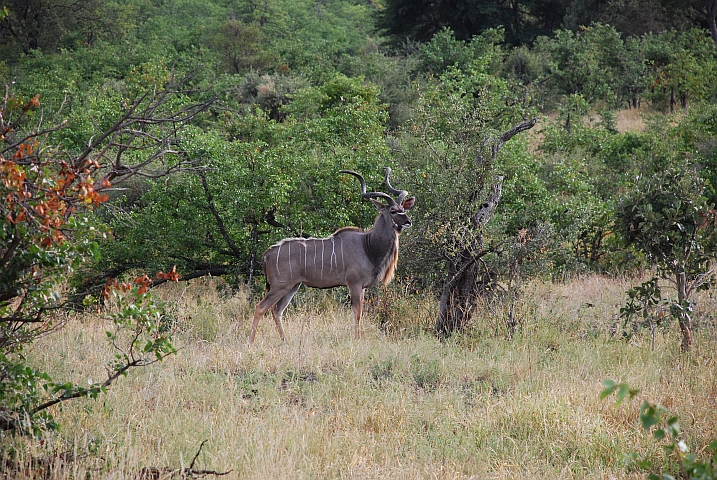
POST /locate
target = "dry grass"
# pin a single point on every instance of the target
(402, 405)
(626, 120)
(630, 120)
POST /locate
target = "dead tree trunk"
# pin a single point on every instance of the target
(465, 282)
(467, 278)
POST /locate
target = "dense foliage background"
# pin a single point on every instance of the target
(303, 89)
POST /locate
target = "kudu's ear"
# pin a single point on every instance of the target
(408, 203)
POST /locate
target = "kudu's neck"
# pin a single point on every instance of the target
(382, 235)
(381, 244)
(381, 241)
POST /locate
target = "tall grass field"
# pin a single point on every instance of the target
(396, 404)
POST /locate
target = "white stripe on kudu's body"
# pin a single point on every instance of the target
(366, 257)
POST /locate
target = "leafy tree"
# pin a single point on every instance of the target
(697, 132)
(450, 147)
(588, 167)
(523, 20)
(632, 18)
(667, 68)
(582, 168)
(668, 218)
(444, 50)
(634, 77)
(393, 74)
(683, 68)
(241, 47)
(42, 24)
(587, 63)
(312, 36)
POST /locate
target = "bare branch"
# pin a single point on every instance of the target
(430, 146)
(701, 279)
(15, 143)
(485, 211)
(116, 127)
(82, 393)
(511, 133)
(130, 127)
(194, 460)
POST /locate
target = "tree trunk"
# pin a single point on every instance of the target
(464, 286)
(464, 281)
(672, 100)
(683, 317)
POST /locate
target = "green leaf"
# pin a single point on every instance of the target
(623, 391)
(673, 425)
(95, 251)
(610, 387)
(649, 416)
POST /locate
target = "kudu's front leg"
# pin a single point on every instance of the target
(356, 294)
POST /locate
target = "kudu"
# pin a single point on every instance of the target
(350, 257)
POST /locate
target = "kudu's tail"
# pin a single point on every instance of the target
(267, 285)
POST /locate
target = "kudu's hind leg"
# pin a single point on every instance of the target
(356, 294)
(278, 310)
(271, 299)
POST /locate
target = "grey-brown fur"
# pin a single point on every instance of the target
(350, 257)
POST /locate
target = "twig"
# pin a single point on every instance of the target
(191, 465)
(155, 473)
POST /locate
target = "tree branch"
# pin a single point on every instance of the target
(709, 10)
(485, 211)
(220, 223)
(83, 392)
(511, 133)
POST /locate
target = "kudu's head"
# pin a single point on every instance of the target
(394, 210)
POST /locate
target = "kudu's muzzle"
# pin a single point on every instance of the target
(402, 224)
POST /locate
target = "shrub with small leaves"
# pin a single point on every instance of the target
(137, 338)
(681, 461)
